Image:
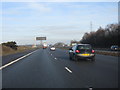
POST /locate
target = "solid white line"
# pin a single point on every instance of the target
(16, 60)
(68, 69)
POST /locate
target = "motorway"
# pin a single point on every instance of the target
(53, 69)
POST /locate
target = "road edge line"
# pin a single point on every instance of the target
(12, 62)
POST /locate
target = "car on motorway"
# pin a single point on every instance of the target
(115, 48)
(81, 51)
(45, 46)
(52, 48)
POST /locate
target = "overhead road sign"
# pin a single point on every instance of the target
(40, 38)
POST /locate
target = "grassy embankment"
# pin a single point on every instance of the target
(4, 50)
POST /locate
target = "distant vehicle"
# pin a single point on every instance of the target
(115, 47)
(52, 48)
(81, 51)
(45, 45)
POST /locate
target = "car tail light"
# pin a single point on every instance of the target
(77, 51)
(93, 51)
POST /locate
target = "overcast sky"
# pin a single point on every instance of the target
(58, 21)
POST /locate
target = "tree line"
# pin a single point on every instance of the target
(11, 44)
(103, 37)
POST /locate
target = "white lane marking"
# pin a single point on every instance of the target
(51, 54)
(56, 58)
(16, 60)
(90, 88)
(68, 69)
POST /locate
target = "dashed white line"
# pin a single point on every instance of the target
(90, 88)
(68, 69)
(56, 58)
(16, 60)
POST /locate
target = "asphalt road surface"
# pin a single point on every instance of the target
(53, 69)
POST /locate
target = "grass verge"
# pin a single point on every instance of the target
(4, 50)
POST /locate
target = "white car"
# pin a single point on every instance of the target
(52, 48)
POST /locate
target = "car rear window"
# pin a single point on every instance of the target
(84, 47)
(116, 46)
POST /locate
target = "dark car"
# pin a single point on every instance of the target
(82, 51)
(115, 47)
